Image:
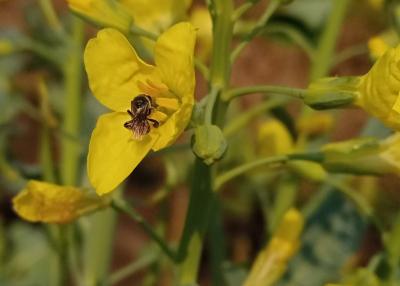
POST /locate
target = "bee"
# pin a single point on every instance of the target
(141, 108)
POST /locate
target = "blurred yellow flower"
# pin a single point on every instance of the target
(376, 4)
(105, 13)
(159, 100)
(379, 89)
(156, 15)
(315, 124)
(6, 47)
(378, 45)
(49, 203)
(271, 262)
(274, 139)
(201, 20)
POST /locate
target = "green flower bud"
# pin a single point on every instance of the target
(363, 156)
(209, 143)
(332, 92)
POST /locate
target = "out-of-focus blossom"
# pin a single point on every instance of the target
(50, 203)
(379, 44)
(315, 124)
(121, 81)
(201, 20)
(271, 262)
(6, 47)
(274, 139)
(105, 13)
(156, 15)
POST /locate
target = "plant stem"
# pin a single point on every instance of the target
(132, 268)
(70, 150)
(51, 15)
(241, 10)
(123, 207)
(202, 197)
(137, 31)
(270, 89)
(326, 46)
(273, 5)
(240, 121)
(229, 175)
(200, 205)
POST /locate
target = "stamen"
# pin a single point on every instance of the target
(159, 116)
(169, 103)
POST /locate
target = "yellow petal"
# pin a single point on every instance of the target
(174, 60)
(45, 202)
(113, 153)
(114, 69)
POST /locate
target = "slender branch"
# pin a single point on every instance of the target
(241, 10)
(131, 268)
(241, 120)
(51, 15)
(273, 5)
(278, 160)
(123, 207)
(271, 89)
(324, 54)
(229, 175)
(293, 34)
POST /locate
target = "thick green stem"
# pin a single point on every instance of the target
(200, 206)
(324, 55)
(70, 150)
(201, 197)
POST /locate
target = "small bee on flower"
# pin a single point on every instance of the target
(141, 108)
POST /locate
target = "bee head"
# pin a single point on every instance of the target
(140, 101)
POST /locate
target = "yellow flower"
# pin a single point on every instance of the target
(106, 13)
(378, 45)
(271, 262)
(274, 139)
(315, 124)
(376, 4)
(6, 47)
(201, 20)
(49, 203)
(117, 76)
(379, 89)
(156, 15)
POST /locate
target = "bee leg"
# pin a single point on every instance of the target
(130, 113)
(155, 122)
(129, 124)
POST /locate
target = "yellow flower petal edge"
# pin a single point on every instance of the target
(116, 77)
(50, 203)
(174, 60)
(379, 89)
(113, 153)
